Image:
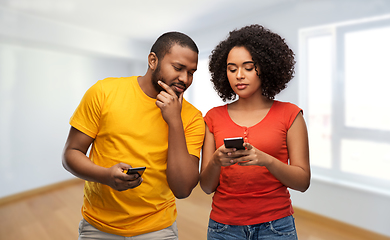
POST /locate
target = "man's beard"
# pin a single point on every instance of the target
(156, 76)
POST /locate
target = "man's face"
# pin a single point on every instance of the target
(176, 69)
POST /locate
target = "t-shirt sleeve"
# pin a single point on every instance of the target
(291, 113)
(194, 134)
(87, 115)
(209, 120)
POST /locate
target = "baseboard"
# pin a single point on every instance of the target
(335, 224)
(36, 191)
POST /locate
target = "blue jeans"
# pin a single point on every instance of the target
(283, 228)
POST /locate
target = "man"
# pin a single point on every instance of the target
(138, 122)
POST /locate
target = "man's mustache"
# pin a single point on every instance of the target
(180, 84)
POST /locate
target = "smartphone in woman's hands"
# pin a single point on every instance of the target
(236, 142)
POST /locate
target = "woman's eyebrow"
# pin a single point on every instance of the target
(242, 63)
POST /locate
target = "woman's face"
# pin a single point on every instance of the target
(242, 74)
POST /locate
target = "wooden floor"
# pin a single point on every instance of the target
(55, 214)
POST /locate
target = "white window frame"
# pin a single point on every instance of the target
(339, 130)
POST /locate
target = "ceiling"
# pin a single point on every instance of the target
(140, 22)
(139, 19)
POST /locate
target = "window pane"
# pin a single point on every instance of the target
(366, 79)
(319, 99)
(201, 93)
(366, 158)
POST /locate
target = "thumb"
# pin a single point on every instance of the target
(248, 146)
(123, 166)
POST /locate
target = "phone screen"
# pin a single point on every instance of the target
(138, 170)
(236, 143)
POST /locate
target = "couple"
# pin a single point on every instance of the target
(143, 121)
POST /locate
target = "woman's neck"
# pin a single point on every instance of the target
(247, 113)
(251, 104)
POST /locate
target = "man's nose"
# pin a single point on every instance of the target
(184, 77)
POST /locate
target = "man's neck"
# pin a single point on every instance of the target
(145, 82)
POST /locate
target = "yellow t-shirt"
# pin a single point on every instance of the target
(128, 127)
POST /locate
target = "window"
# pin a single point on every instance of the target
(343, 71)
(201, 93)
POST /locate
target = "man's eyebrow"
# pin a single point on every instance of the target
(179, 64)
(184, 66)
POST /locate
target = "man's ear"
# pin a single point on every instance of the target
(152, 61)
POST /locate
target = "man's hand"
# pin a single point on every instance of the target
(119, 180)
(169, 103)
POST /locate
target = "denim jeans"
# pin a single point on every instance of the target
(283, 228)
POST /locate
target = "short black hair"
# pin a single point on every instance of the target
(269, 52)
(164, 43)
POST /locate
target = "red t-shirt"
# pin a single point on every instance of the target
(248, 195)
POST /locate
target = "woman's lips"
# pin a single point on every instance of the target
(241, 86)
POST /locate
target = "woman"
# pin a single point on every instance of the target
(251, 199)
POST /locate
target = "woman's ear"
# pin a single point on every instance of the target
(152, 61)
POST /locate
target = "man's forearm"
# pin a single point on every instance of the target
(79, 165)
(182, 168)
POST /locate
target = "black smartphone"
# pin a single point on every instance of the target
(236, 142)
(137, 170)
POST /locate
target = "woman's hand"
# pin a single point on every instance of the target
(228, 156)
(250, 156)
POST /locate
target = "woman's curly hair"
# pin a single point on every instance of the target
(269, 52)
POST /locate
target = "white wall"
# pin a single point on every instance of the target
(45, 68)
